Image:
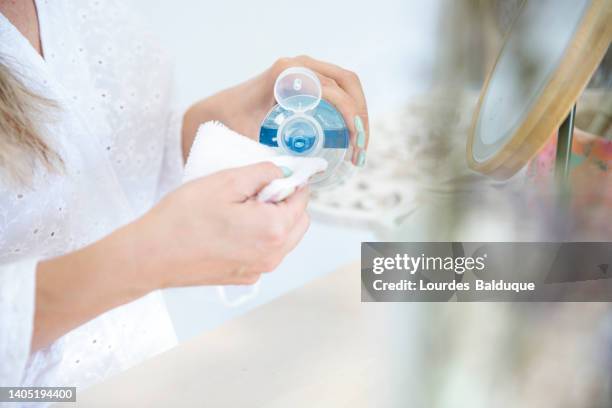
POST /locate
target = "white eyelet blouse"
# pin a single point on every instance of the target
(120, 142)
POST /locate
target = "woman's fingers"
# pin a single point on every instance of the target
(297, 232)
(245, 182)
(334, 76)
(347, 80)
(348, 109)
(283, 224)
(296, 204)
(290, 241)
(294, 207)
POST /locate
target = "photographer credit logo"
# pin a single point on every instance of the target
(486, 271)
(425, 266)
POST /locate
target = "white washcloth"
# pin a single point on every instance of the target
(217, 148)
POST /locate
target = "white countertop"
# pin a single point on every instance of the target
(316, 346)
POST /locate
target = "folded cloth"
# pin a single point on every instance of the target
(217, 148)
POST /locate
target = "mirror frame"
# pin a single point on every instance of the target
(582, 57)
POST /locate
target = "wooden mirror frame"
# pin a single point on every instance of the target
(582, 56)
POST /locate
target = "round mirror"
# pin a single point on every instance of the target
(552, 49)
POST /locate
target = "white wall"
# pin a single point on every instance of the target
(220, 43)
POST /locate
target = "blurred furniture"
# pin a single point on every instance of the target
(417, 154)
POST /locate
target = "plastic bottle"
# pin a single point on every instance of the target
(303, 124)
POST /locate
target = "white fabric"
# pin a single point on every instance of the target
(16, 280)
(217, 148)
(120, 142)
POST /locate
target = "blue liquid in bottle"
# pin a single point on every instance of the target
(320, 132)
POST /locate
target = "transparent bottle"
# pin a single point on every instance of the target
(303, 124)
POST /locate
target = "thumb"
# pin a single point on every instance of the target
(247, 181)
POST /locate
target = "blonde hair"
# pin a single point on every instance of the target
(22, 148)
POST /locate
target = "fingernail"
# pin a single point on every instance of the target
(360, 132)
(361, 158)
(286, 171)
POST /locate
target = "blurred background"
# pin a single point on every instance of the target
(422, 64)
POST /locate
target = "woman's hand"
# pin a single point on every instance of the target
(210, 231)
(244, 106)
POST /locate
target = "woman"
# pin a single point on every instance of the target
(88, 144)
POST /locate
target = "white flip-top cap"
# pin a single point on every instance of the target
(297, 89)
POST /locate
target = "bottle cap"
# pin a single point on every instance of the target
(297, 89)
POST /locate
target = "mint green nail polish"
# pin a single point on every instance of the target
(361, 158)
(360, 132)
(286, 171)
